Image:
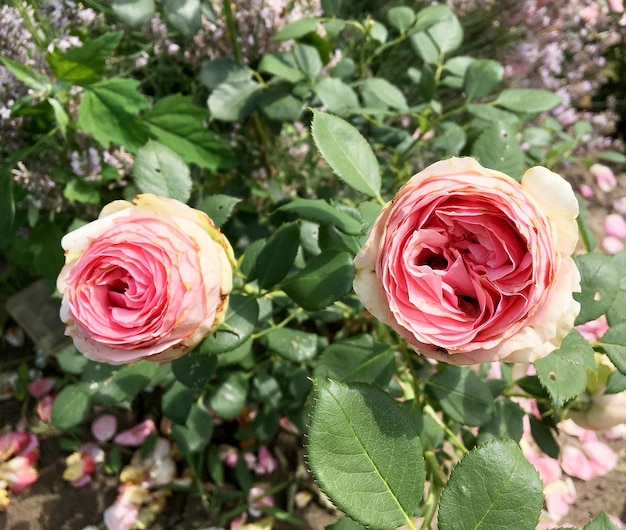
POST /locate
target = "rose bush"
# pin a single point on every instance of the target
(470, 266)
(146, 280)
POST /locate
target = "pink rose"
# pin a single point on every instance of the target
(146, 280)
(470, 266)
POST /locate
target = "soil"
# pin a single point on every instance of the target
(53, 504)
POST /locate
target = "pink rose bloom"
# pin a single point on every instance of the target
(146, 280)
(470, 266)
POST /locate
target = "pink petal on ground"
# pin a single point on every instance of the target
(619, 205)
(41, 387)
(612, 245)
(576, 464)
(104, 427)
(121, 515)
(586, 191)
(615, 225)
(136, 435)
(602, 458)
(605, 178)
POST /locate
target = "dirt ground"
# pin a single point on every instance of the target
(53, 504)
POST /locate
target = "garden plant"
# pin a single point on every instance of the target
(349, 225)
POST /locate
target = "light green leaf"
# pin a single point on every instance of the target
(347, 153)
(401, 18)
(576, 349)
(161, 171)
(357, 359)
(497, 148)
(441, 38)
(562, 379)
(601, 522)
(31, 78)
(308, 60)
(613, 342)
(223, 70)
(527, 100)
(133, 12)
(319, 211)
(324, 279)
(184, 15)
(336, 96)
(383, 90)
(84, 65)
(179, 124)
(482, 77)
(234, 100)
(365, 455)
(599, 283)
(297, 29)
(462, 395)
(60, 116)
(218, 207)
(109, 112)
(281, 65)
(493, 487)
(294, 345)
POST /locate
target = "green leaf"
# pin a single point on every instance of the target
(345, 523)
(493, 487)
(450, 138)
(184, 15)
(194, 369)
(506, 422)
(387, 93)
(308, 60)
(241, 319)
(319, 211)
(77, 190)
(441, 38)
(297, 29)
(281, 65)
(60, 115)
(482, 77)
(527, 100)
(338, 97)
(218, 207)
(324, 279)
(109, 112)
(176, 402)
(616, 383)
(222, 70)
(85, 64)
(577, 350)
(599, 283)
(228, 397)
(277, 256)
(544, 436)
(601, 522)
(70, 407)
(347, 153)
(133, 12)
(562, 379)
(357, 359)
(176, 122)
(31, 78)
(613, 342)
(365, 455)
(497, 148)
(401, 18)
(462, 395)
(294, 345)
(278, 104)
(234, 100)
(161, 171)
(196, 434)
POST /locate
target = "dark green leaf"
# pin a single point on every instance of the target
(544, 436)
(493, 487)
(228, 397)
(358, 359)
(241, 319)
(234, 100)
(292, 344)
(497, 148)
(278, 104)
(599, 282)
(176, 402)
(613, 342)
(326, 278)
(506, 422)
(616, 383)
(221, 70)
(482, 77)
(462, 395)
(365, 455)
(194, 369)
(277, 255)
(319, 211)
(196, 434)
(218, 207)
(601, 522)
(70, 407)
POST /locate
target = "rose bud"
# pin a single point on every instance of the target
(470, 266)
(146, 280)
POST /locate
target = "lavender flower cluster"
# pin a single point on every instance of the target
(561, 45)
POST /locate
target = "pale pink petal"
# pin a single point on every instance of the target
(605, 178)
(612, 245)
(586, 191)
(576, 464)
(136, 435)
(549, 468)
(615, 225)
(619, 205)
(121, 515)
(602, 458)
(104, 427)
(44, 408)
